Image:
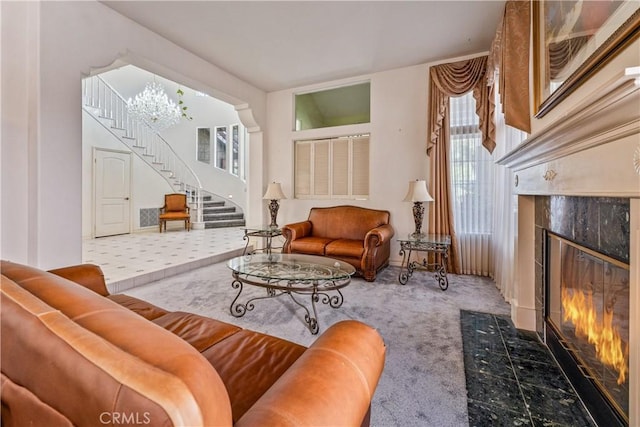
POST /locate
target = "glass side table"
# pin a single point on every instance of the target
(437, 245)
(265, 232)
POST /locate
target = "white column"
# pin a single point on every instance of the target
(523, 304)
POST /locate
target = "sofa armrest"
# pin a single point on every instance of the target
(378, 235)
(88, 275)
(332, 383)
(295, 231)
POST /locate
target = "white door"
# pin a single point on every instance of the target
(112, 184)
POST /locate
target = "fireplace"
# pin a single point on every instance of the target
(587, 325)
(578, 177)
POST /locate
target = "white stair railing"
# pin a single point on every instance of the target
(108, 108)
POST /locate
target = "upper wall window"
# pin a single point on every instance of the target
(204, 145)
(235, 150)
(221, 147)
(346, 105)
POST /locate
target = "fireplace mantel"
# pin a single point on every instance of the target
(592, 150)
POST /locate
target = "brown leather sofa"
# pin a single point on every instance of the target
(72, 354)
(359, 236)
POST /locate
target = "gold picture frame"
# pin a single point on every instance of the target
(573, 39)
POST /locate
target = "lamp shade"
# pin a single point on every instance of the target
(274, 192)
(418, 192)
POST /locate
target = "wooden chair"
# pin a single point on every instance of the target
(175, 209)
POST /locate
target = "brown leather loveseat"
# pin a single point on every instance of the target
(359, 236)
(74, 355)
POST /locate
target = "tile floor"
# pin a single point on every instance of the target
(131, 260)
(512, 378)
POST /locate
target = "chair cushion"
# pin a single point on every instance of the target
(201, 332)
(310, 245)
(251, 358)
(138, 306)
(345, 248)
(174, 215)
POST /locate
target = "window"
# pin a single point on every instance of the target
(204, 145)
(471, 170)
(221, 147)
(235, 150)
(347, 105)
(332, 168)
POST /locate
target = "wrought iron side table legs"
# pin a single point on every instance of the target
(441, 254)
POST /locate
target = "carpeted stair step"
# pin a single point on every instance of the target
(212, 204)
(223, 224)
(218, 210)
(222, 217)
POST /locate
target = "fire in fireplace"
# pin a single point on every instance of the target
(587, 321)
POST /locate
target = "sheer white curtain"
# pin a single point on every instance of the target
(472, 177)
(505, 210)
(483, 200)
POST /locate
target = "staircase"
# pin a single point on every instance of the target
(109, 109)
(216, 214)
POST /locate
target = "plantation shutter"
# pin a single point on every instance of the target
(340, 157)
(303, 169)
(321, 168)
(360, 172)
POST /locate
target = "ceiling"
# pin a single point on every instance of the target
(276, 45)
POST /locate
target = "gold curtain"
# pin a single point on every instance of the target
(446, 80)
(456, 79)
(509, 57)
(440, 211)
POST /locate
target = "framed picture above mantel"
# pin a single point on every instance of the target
(573, 39)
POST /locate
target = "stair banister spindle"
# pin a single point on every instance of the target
(112, 109)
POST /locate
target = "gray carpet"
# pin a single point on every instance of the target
(423, 383)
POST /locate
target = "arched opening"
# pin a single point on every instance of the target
(212, 138)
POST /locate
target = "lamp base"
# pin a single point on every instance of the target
(273, 210)
(418, 214)
(418, 235)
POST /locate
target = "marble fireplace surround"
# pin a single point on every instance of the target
(593, 150)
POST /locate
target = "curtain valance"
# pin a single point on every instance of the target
(455, 79)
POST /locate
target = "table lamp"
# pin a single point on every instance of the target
(417, 194)
(274, 193)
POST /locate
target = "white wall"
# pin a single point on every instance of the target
(47, 47)
(398, 130)
(147, 187)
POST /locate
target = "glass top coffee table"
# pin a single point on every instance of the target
(319, 277)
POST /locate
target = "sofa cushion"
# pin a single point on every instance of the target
(143, 308)
(345, 248)
(310, 245)
(201, 332)
(251, 358)
(346, 222)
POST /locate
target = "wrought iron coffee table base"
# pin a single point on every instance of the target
(275, 289)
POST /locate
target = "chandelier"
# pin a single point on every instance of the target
(154, 107)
